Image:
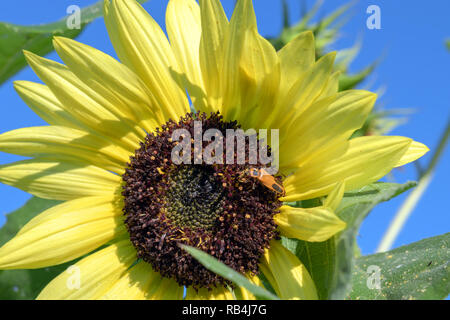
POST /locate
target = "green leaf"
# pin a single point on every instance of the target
(325, 30)
(318, 257)
(350, 81)
(320, 260)
(25, 284)
(416, 271)
(221, 269)
(354, 208)
(330, 262)
(37, 39)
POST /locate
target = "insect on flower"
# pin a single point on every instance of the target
(266, 179)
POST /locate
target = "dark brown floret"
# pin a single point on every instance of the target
(216, 208)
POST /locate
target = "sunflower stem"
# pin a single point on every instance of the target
(411, 201)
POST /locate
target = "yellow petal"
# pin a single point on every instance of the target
(44, 103)
(332, 86)
(166, 289)
(63, 233)
(220, 293)
(303, 93)
(296, 58)
(287, 275)
(125, 92)
(183, 25)
(92, 276)
(335, 197)
(415, 151)
(59, 180)
(135, 284)
(243, 19)
(366, 160)
(86, 105)
(308, 224)
(214, 28)
(327, 123)
(142, 46)
(259, 76)
(115, 200)
(72, 143)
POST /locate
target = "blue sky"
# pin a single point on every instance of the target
(414, 69)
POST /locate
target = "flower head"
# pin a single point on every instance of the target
(128, 205)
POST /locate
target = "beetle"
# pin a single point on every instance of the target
(267, 180)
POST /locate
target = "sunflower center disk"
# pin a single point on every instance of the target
(194, 198)
(217, 208)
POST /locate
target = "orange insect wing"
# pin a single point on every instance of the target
(268, 180)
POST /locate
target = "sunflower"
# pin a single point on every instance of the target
(127, 206)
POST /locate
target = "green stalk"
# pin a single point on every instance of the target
(410, 203)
